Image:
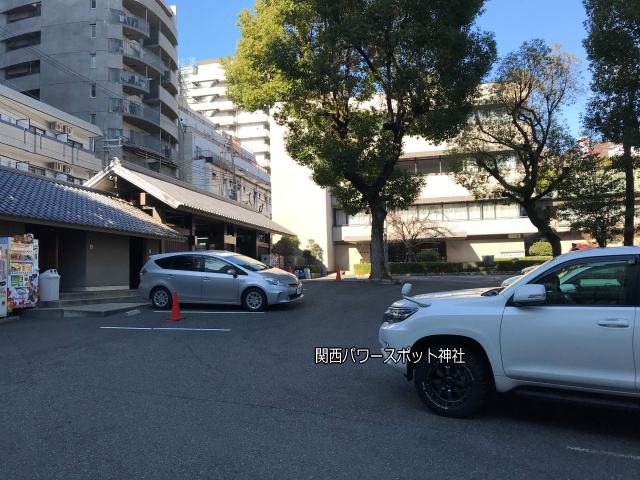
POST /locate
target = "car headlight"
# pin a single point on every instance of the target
(273, 281)
(398, 314)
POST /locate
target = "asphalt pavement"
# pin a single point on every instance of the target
(231, 394)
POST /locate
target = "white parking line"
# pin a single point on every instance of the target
(200, 311)
(169, 328)
(602, 452)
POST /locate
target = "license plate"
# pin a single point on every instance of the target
(298, 290)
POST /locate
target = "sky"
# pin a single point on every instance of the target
(207, 29)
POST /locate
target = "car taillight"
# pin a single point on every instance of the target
(143, 271)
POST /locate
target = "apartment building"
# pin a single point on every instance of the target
(474, 228)
(112, 64)
(37, 138)
(217, 162)
(204, 84)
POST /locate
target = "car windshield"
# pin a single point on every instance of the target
(246, 262)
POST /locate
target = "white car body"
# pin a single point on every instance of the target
(582, 347)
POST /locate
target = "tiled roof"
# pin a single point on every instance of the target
(178, 194)
(33, 197)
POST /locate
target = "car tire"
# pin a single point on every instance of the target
(161, 298)
(452, 389)
(254, 300)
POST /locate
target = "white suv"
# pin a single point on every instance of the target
(566, 327)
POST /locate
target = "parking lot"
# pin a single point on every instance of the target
(231, 394)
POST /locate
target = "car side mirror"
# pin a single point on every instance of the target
(232, 271)
(530, 295)
(406, 288)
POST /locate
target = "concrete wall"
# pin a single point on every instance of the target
(107, 260)
(349, 255)
(298, 203)
(474, 250)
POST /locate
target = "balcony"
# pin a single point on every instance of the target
(20, 142)
(132, 24)
(138, 53)
(135, 83)
(135, 110)
(170, 82)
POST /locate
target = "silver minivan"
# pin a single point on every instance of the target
(216, 277)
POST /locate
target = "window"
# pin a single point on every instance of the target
(164, 262)
(246, 262)
(26, 11)
(92, 118)
(215, 265)
(93, 62)
(93, 90)
(22, 69)
(455, 211)
(593, 283)
(94, 30)
(22, 41)
(191, 263)
(94, 3)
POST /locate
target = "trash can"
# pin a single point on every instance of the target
(307, 273)
(49, 285)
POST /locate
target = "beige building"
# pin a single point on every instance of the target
(475, 228)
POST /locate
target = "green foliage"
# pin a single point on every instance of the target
(314, 250)
(516, 145)
(540, 248)
(287, 246)
(516, 264)
(352, 78)
(613, 112)
(362, 268)
(501, 265)
(425, 267)
(593, 197)
(312, 268)
(428, 256)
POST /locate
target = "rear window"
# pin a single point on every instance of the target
(164, 262)
(192, 263)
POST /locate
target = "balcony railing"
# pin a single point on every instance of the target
(127, 78)
(130, 21)
(127, 107)
(134, 50)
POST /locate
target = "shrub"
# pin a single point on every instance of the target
(425, 267)
(312, 268)
(540, 248)
(362, 268)
(428, 256)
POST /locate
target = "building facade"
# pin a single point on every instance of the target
(204, 84)
(474, 228)
(112, 64)
(37, 138)
(218, 163)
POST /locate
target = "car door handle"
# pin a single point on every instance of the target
(205, 279)
(169, 276)
(614, 322)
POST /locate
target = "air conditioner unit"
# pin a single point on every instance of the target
(67, 129)
(61, 167)
(57, 127)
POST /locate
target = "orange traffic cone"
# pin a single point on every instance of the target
(338, 277)
(176, 316)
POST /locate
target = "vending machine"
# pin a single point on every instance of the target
(3, 279)
(20, 269)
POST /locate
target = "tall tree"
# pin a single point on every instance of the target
(593, 200)
(516, 144)
(613, 49)
(351, 79)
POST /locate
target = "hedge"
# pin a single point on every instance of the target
(501, 265)
(312, 268)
